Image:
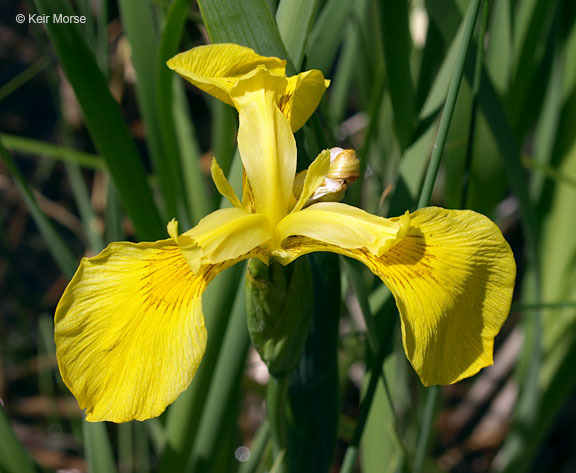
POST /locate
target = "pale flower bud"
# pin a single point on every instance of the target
(344, 168)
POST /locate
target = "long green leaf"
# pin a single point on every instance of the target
(248, 23)
(326, 35)
(104, 120)
(451, 97)
(226, 377)
(172, 31)
(41, 148)
(139, 23)
(294, 19)
(397, 50)
(64, 258)
(98, 449)
(13, 456)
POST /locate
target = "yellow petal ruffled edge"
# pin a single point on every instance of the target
(452, 276)
(129, 330)
(216, 68)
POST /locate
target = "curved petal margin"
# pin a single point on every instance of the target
(216, 68)
(452, 276)
(129, 330)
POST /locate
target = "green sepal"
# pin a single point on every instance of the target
(279, 304)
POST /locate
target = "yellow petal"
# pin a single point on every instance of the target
(266, 143)
(225, 235)
(302, 96)
(247, 194)
(223, 185)
(314, 177)
(216, 68)
(452, 277)
(343, 226)
(129, 330)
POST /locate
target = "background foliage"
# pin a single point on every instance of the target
(466, 104)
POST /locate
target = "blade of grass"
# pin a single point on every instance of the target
(425, 428)
(226, 376)
(199, 202)
(258, 448)
(338, 93)
(113, 215)
(27, 74)
(223, 134)
(92, 233)
(397, 49)
(314, 394)
(380, 449)
(326, 35)
(248, 23)
(41, 148)
(97, 448)
(139, 23)
(450, 103)
(170, 38)
(295, 19)
(13, 456)
(533, 18)
(474, 109)
(101, 42)
(546, 131)
(64, 258)
(104, 120)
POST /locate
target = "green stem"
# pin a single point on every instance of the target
(276, 398)
(426, 427)
(354, 447)
(474, 111)
(27, 74)
(450, 105)
(258, 448)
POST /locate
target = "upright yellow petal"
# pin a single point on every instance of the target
(313, 177)
(216, 68)
(129, 330)
(303, 94)
(343, 226)
(266, 143)
(223, 185)
(452, 277)
(224, 235)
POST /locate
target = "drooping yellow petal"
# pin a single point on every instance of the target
(216, 68)
(302, 96)
(129, 330)
(223, 185)
(452, 277)
(266, 143)
(343, 226)
(224, 235)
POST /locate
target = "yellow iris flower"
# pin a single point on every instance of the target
(129, 328)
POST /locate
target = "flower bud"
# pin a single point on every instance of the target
(344, 168)
(279, 303)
